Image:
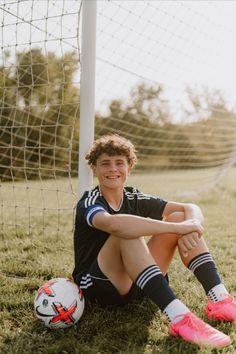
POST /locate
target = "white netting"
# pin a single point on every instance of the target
(164, 79)
(39, 117)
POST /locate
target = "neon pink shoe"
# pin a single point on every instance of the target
(194, 330)
(224, 310)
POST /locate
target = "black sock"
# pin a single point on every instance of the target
(204, 269)
(155, 286)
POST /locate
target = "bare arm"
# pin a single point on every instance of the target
(131, 226)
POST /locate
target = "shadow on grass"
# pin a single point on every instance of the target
(133, 329)
(117, 330)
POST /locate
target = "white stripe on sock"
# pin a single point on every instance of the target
(204, 259)
(147, 275)
(199, 260)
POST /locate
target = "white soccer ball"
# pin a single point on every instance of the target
(59, 303)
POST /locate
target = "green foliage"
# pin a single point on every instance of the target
(31, 75)
(39, 115)
(146, 118)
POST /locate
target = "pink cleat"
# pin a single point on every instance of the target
(224, 310)
(194, 330)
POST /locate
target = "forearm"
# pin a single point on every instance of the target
(131, 226)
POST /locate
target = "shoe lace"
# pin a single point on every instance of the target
(195, 323)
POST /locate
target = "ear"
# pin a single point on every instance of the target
(94, 169)
(130, 169)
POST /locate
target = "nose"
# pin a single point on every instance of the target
(113, 166)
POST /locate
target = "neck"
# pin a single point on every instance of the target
(113, 197)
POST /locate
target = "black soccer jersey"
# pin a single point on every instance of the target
(88, 240)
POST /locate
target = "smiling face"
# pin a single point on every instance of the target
(111, 171)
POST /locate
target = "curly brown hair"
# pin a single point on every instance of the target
(111, 145)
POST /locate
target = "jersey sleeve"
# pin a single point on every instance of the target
(91, 211)
(156, 208)
(151, 206)
(88, 207)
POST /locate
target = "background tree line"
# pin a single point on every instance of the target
(39, 121)
(39, 113)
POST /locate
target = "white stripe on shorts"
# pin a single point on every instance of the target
(86, 282)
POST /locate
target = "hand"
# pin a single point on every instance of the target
(189, 226)
(188, 242)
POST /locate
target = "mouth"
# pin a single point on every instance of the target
(112, 177)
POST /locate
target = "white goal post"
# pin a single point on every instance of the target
(163, 79)
(87, 92)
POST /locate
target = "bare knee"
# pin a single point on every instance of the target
(135, 242)
(116, 244)
(177, 216)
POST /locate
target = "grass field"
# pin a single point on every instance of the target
(26, 261)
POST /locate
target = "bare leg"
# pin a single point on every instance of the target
(201, 248)
(123, 260)
(162, 247)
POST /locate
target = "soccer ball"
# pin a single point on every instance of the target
(59, 303)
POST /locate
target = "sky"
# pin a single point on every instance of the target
(173, 43)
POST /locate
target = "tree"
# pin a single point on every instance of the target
(43, 109)
(214, 126)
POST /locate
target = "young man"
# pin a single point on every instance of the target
(112, 258)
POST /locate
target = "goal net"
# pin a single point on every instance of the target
(39, 113)
(163, 79)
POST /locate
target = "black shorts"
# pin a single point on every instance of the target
(97, 287)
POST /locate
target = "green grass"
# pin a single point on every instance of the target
(29, 259)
